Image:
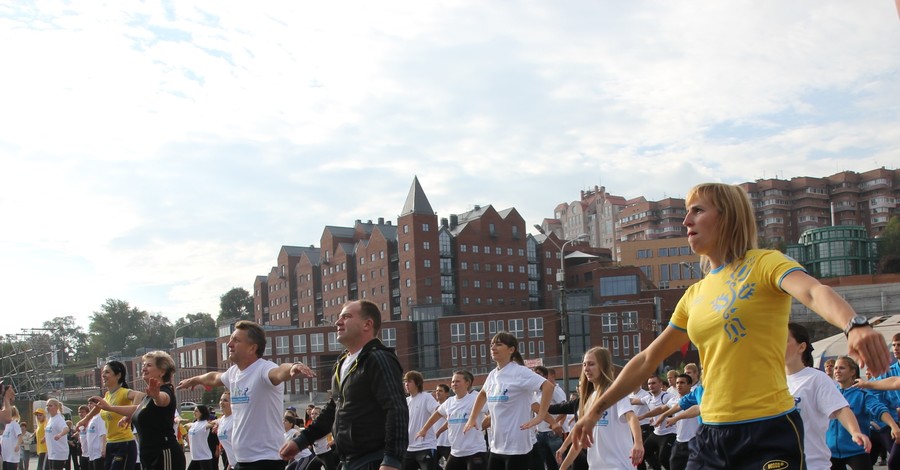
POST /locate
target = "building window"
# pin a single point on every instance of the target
(619, 285)
(281, 345)
(426, 245)
(389, 337)
(457, 332)
(406, 264)
(517, 327)
(333, 343)
(615, 344)
(425, 227)
(476, 331)
(625, 347)
(636, 343)
(453, 356)
(406, 247)
(427, 263)
(609, 323)
(316, 342)
(462, 248)
(405, 228)
(629, 321)
(408, 283)
(535, 327)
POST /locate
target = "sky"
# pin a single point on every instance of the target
(162, 152)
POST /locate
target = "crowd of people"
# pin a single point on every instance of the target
(761, 403)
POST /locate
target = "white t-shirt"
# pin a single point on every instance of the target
(256, 407)
(686, 428)
(57, 449)
(96, 429)
(9, 441)
(444, 439)
(817, 398)
(198, 433)
(510, 391)
(82, 439)
(641, 409)
(224, 432)
(654, 402)
(612, 437)
(421, 408)
(559, 396)
(456, 411)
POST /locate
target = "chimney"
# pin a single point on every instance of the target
(477, 207)
(454, 221)
(443, 222)
(381, 221)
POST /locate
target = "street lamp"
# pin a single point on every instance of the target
(175, 337)
(563, 309)
(690, 267)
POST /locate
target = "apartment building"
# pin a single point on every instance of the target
(594, 214)
(667, 262)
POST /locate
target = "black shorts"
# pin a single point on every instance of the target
(771, 444)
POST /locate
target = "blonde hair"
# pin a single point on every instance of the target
(736, 227)
(14, 412)
(162, 361)
(607, 374)
(59, 405)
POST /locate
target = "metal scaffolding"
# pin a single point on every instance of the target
(31, 363)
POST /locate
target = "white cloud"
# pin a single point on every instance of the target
(162, 152)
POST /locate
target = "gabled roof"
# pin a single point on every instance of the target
(340, 232)
(416, 201)
(349, 248)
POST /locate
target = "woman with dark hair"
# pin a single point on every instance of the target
(154, 415)
(198, 434)
(818, 399)
(737, 316)
(121, 448)
(467, 451)
(508, 391)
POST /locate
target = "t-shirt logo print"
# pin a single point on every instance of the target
(724, 304)
(239, 396)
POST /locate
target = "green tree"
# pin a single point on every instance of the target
(196, 325)
(236, 303)
(69, 336)
(157, 332)
(117, 327)
(889, 247)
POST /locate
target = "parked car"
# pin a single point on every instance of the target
(187, 406)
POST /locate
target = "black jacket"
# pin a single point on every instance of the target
(368, 413)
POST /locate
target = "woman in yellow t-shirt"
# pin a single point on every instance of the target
(121, 448)
(737, 316)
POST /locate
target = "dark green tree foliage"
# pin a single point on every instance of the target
(69, 336)
(236, 303)
(889, 247)
(205, 326)
(117, 327)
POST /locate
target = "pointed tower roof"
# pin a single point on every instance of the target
(416, 202)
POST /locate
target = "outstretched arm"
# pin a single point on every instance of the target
(864, 343)
(288, 371)
(209, 379)
(636, 371)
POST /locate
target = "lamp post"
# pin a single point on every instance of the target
(564, 309)
(175, 337)
(690, 268)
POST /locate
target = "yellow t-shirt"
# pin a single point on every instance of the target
(115, 433)
(39, 437)
(737, 317)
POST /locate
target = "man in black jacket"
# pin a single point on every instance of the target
(367, 415)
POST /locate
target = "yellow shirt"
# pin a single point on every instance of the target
(737, 316)
(39, 437)
(114, 432)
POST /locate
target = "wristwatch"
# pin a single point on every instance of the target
(857, 320)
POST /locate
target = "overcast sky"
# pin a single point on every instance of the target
(162, 152)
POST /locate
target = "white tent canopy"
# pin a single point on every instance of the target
(834, 346)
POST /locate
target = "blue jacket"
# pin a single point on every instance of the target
(694, 397)
(865, 405)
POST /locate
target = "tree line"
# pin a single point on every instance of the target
(122, 329)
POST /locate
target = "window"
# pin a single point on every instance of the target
(453, 356)
(516, 327)
(625, 347)
(406, 264)
(426, 245)
(405, 228)
(316, 342)
(636, 343)
(427, 263)
(463, 265)
(408, 283)
(463, 248)
(609, 322)
(619, 285)
(389, 337)
(535, 327)
(498, 251)
(475, 248)
(333, 343)
(425, 227)
(476, 331)
(281, 345)
(457, 332)
(615, 346)
(629, 321)
(406, 247)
